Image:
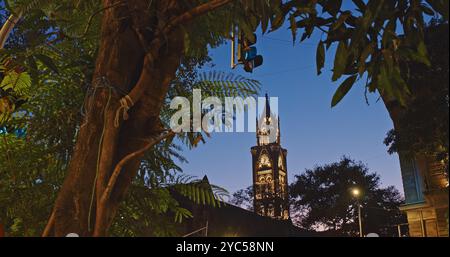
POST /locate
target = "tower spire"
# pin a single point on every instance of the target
(279, 131)
(268, 112)
(257, 130)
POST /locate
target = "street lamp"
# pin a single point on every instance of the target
(357, 193)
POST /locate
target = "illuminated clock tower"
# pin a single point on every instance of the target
(270, 183)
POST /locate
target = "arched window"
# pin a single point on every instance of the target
(282, 179)
(271, 210)
(281, 162)
(261, 210)
(262, 180)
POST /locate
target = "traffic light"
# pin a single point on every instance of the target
(249, 54)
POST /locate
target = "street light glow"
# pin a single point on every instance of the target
(356, 192)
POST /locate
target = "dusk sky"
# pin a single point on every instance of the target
(311, 131)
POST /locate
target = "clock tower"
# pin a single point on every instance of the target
(270, 183)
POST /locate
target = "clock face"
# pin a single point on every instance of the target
(264, 161)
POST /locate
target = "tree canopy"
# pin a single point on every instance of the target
(322, 199)
(372, 37)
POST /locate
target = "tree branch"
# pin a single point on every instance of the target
(8, 27)
(130, 157)
(100, 219)
(91, 18)
(195, 12)
(50, 224)
(155, 45)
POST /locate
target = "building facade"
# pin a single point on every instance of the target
(270, 181)
(425, 183)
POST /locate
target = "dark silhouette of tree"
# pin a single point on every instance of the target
(243, 198)
(322, 200)
(425, 124)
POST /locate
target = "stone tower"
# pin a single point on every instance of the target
(270, 183)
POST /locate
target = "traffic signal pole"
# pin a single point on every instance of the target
(233, 49)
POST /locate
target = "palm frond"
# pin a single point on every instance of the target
(201, 192)
(222, 84)
(182, 213)
(25, 6)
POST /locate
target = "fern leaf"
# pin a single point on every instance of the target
(20, 83)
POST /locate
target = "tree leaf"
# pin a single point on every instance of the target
(342, 18)
(340, 60)
(423, 53)
(332, 7)
(47, 61)
(343, 89)
(362, 60)
(320, 57)
(441, 6)
(20, 83)
(277, 21)
(293, 28)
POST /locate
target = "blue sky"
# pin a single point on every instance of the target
(312, 132)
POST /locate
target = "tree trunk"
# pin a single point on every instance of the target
(138, 57)
(397, 113)
(121, 65)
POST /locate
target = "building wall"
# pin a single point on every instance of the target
(426, 196)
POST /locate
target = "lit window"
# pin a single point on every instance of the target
(281, 163)
(264, 161)
(282, 179)
(262, 180)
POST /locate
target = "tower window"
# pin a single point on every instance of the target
(281, 162)
(264, 161)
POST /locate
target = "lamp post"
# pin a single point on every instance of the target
(357, 193)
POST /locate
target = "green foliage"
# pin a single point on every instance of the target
(322, 199)
(19, 83)
(373, 37)
(369, 43)
(30, 178)
(59, 67)
(35, 165)
(212, 83)
(343, 90)
(223, 85)
(152, 207)
(320, 57)
(200, 191)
